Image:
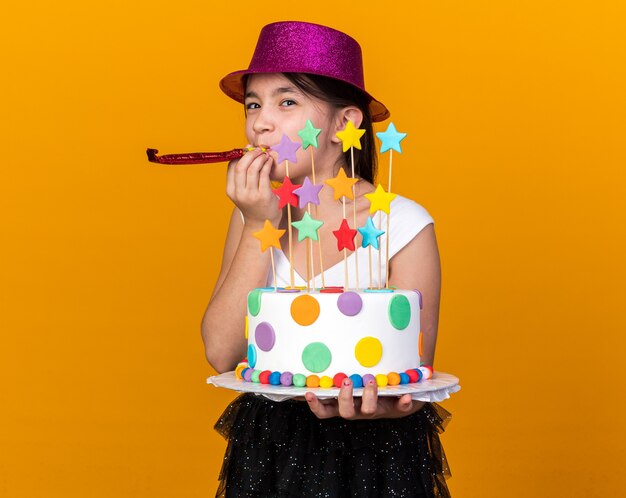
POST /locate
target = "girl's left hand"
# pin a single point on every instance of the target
(369, 406)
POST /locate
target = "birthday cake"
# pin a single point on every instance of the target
(320, 337)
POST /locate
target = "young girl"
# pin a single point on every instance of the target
(349, 446)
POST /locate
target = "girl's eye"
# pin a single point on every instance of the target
(288, 103)
(252, 105)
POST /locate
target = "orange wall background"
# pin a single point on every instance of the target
(516, 120)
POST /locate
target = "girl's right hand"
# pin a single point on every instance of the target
(248, 186)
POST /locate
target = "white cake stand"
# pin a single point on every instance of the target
(435, 389)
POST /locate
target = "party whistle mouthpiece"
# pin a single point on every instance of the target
(198, 157)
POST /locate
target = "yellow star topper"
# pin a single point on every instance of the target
(350, 136)
(342, 185)
(380, 200)
(269, 236)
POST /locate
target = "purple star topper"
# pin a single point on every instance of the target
(308, 193)
(286, 150)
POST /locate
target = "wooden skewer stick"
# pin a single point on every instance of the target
(370, 259)
(308, 265)
(380, 253)
(345, 252)
(388, 216)
(356, 259)
(273, 268)
(309, 252)
(319, 236)
(291, 271)
(345, 267)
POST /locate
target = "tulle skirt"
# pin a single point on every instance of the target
(280, 449)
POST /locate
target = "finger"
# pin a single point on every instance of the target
(369, 403)
(319, 409)
(264, 174)
(404, 403)
(241, 169)
(252, 175)
(345, 400)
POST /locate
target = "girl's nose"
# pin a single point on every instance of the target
(264, 121)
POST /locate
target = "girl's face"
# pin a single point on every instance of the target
(275, 106)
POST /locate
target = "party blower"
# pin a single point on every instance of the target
(198, 157)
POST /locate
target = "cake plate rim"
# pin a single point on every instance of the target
(435, 389)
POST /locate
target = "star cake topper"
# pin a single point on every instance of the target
(307, 227)
(286, 150)
(286, 194)
(269, 236)
(308, 193)
(350, 136)
(380, 200)
(370, 233)
(309, 134)
(390, 139)
(342, 185)
(345, 236)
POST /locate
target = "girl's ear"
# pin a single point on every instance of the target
(350, 113)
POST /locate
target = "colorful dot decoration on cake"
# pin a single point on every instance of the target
(287, 379)
(247, 374)
(399, 312)
(326, 381)
(305, 309)
(254, 301)
(357, 380)
(367, 378)
(275, 378)
(251, 355)
(312, 381)
(241, 366)
(349, 303)
(393, 378)
(338, 379)
(368, 351)
(419, 296)
(264, 336)
(299, 380)
(264, 377)
(316, 357)
(382, 380)
(331, 290)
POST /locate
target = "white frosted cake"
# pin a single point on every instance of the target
(318, 338)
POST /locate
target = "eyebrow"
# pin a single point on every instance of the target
(277, 91)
